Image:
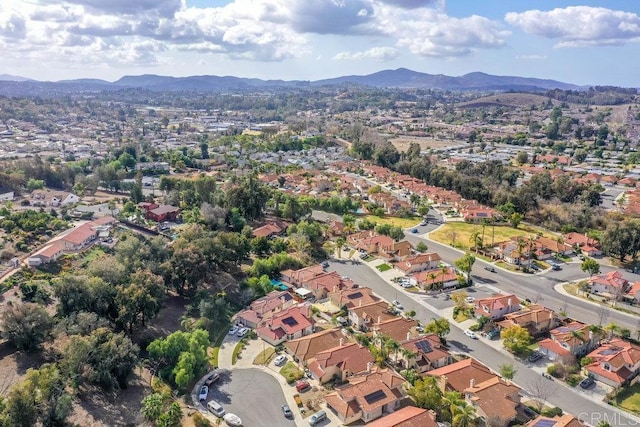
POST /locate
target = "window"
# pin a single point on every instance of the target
(607, 366)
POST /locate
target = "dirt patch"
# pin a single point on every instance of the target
(95, 409)
(166, 322)
(311, 400)
(402, 142)
(14, 365)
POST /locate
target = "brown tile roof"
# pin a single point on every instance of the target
(458, 375)
(496, 397)
(350, 357)
(565, 420)
(438, 351)
(353, 297)
(398, 328)
(373, 312)
(409, 262)
(409, 416)
(306, 347)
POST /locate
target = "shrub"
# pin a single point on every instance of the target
(556, 370)
(200, 421)
(574, 379)
(552, 412)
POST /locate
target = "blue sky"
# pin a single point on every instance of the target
(582, 42)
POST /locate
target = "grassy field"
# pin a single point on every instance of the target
(398, 222)
(237, 349)
(500, 233)
(629, 399)
(264, 357)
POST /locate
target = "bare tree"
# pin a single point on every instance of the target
(540, 392)
(603, 314)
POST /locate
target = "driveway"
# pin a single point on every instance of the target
(255, 396)
(438, 300)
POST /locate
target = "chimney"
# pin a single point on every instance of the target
(379, 319)
(341, 342)
(472, 383)
(360, 303)
(334, 289)
(369, 365)
(408, 335)
(509, 302)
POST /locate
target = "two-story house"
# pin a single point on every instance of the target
(439, 278)
(305, 348)
(423, 354)
(367, 396)
(616, 363)
(420, 262)
(352, 297)
(611, 284)
(340, 362)
(568, 342)
(496, 307)
(297, 277)
(288, 324)
(263, 308)
(496, 401)
(409, 416)
(364, 316)
(535, 318)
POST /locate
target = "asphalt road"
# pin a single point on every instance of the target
(255, 396)
(571, 401)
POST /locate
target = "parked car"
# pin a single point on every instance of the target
(325, 264)
(471, 334)
(587, 382)
(242, 332)
(204, 393)
(424, 222)
(286, 411)
(581, 257)
(232, 420)
(534, 357)
(469, 299)
(556, 267)
(398, 304)
(212, 378)
(317, 417)
(493, 334)
(279, 360)
(233, 330)
(491, 269)
(215, 408)
(363, 256)
(302, 385)
(414, 231)
(406, 285)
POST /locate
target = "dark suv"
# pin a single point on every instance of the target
(535, 356)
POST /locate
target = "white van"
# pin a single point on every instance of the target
(215, 408)
(317, 417)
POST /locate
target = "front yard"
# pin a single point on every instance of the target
(290, 372)
(383, 267)
(398, 222)
(629, 399)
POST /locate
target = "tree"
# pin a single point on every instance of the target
(422, 247)
(540, 392)
(507, 371)
(26, 325)
(590, 266)
(440, 327)
(516, 339)
(522, 157)
(465, 264)
(172, 417)
(340, 242)
(464, 416)
(459, 298)
(515, 219)
(451, 401)
(426, 393)
(181, 356)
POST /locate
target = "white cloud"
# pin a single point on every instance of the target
(531, 57)
(578, 26)
(377, 53)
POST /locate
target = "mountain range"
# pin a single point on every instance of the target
(399, 78)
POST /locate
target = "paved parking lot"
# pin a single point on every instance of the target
(255, 396)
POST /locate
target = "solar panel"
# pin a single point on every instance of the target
(375, 396)
(424, 346)
(355, 295)
(545, 423)
(289, 321)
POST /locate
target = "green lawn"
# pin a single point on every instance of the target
(290, 372)
(215, 350)
(629, 399)
(236, 351)
(383, 267)
(500, 233)
(265, 356)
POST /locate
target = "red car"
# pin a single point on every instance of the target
(302, 385)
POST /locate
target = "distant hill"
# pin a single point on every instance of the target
(399, 78)
(10, 78)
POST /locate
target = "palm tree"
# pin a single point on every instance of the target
(560, 243)
(443, 270)
(465, 416)
(475, 241)
(392, 347)
(611, 329)
(433, 277)
(340, 241)
(451, 400)
(520, 244)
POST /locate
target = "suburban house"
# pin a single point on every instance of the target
(477, 213)
(459, 375)
(288, 324)
(270, 229)
(535, 318)
(409, 416)
(305, 348)
(46, 255)
(439, 278)
(611, 284)
(496, 401)
(396, 251)
(616, 363)
(512, 252)
(370, 242)
(397, 328)
(364, 316)
(420, 262)
(53, 198)
(265, 307)
(79, 237)
(352, 297)
(340, 362)
(583, 243)
(159, 213)
(323, 283)
(568, 342)
(423, 354)
(297, 277)
(565, 420)
(496, 307)
(367, 396)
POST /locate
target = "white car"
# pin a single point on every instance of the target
(204, 393)
(397, 304)
(469, 299)
(242, 332)
(233, 330)
(280, 360)
(232, 420)
(471, 334)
